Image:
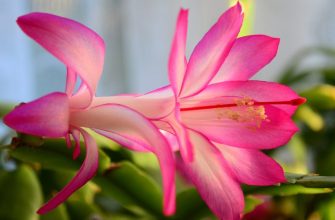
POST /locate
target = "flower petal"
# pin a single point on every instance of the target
(71, 78)
(154, 105)
(248, 55)
(213, 179)
(128, 123)
(177, 59)
(68, 140)
(211, 51)
(131, 143)
(251, 166)
(182, 136)
(256, 90)
(77, 46)
(47, 116)
(86, 172)
(259, 127)
(172, 140)
(76, 136)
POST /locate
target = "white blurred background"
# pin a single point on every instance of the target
(138, 36)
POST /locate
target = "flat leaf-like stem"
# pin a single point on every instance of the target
(296, 184)
(311, 180)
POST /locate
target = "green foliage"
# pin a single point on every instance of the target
(321, 96)
(311, 180)
(60, 213)
(54, 155)
(5, 108)
(132, 188)
(190, 206)
(21, 194)
(81, 210)
(251, 202)
(310, 117)
(286, 190)
(326, 209)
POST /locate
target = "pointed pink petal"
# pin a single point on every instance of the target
(211, 51)
(248, 55)
(132, 143)
(86, 172)
(177, 60)
(154, 105)
(256, 90)
(128, 123)
(77, 46)
(68, 140)
(252, 166)
(242, 127)
(172, 140)
(76, 136)
(47, 116)
(182, 135)
(82, 98)
(213, 179)
(71, 78)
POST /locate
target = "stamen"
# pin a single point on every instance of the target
(246, 113)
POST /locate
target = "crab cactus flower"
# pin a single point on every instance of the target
(65, 114)
(219, 118)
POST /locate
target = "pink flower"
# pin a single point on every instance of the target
(65, 114)
(219, 118)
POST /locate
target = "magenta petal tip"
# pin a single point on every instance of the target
(239, 7)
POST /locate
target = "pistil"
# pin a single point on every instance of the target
(294, 102)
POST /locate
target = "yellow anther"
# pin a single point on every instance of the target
(244, 101)
(245, 112)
